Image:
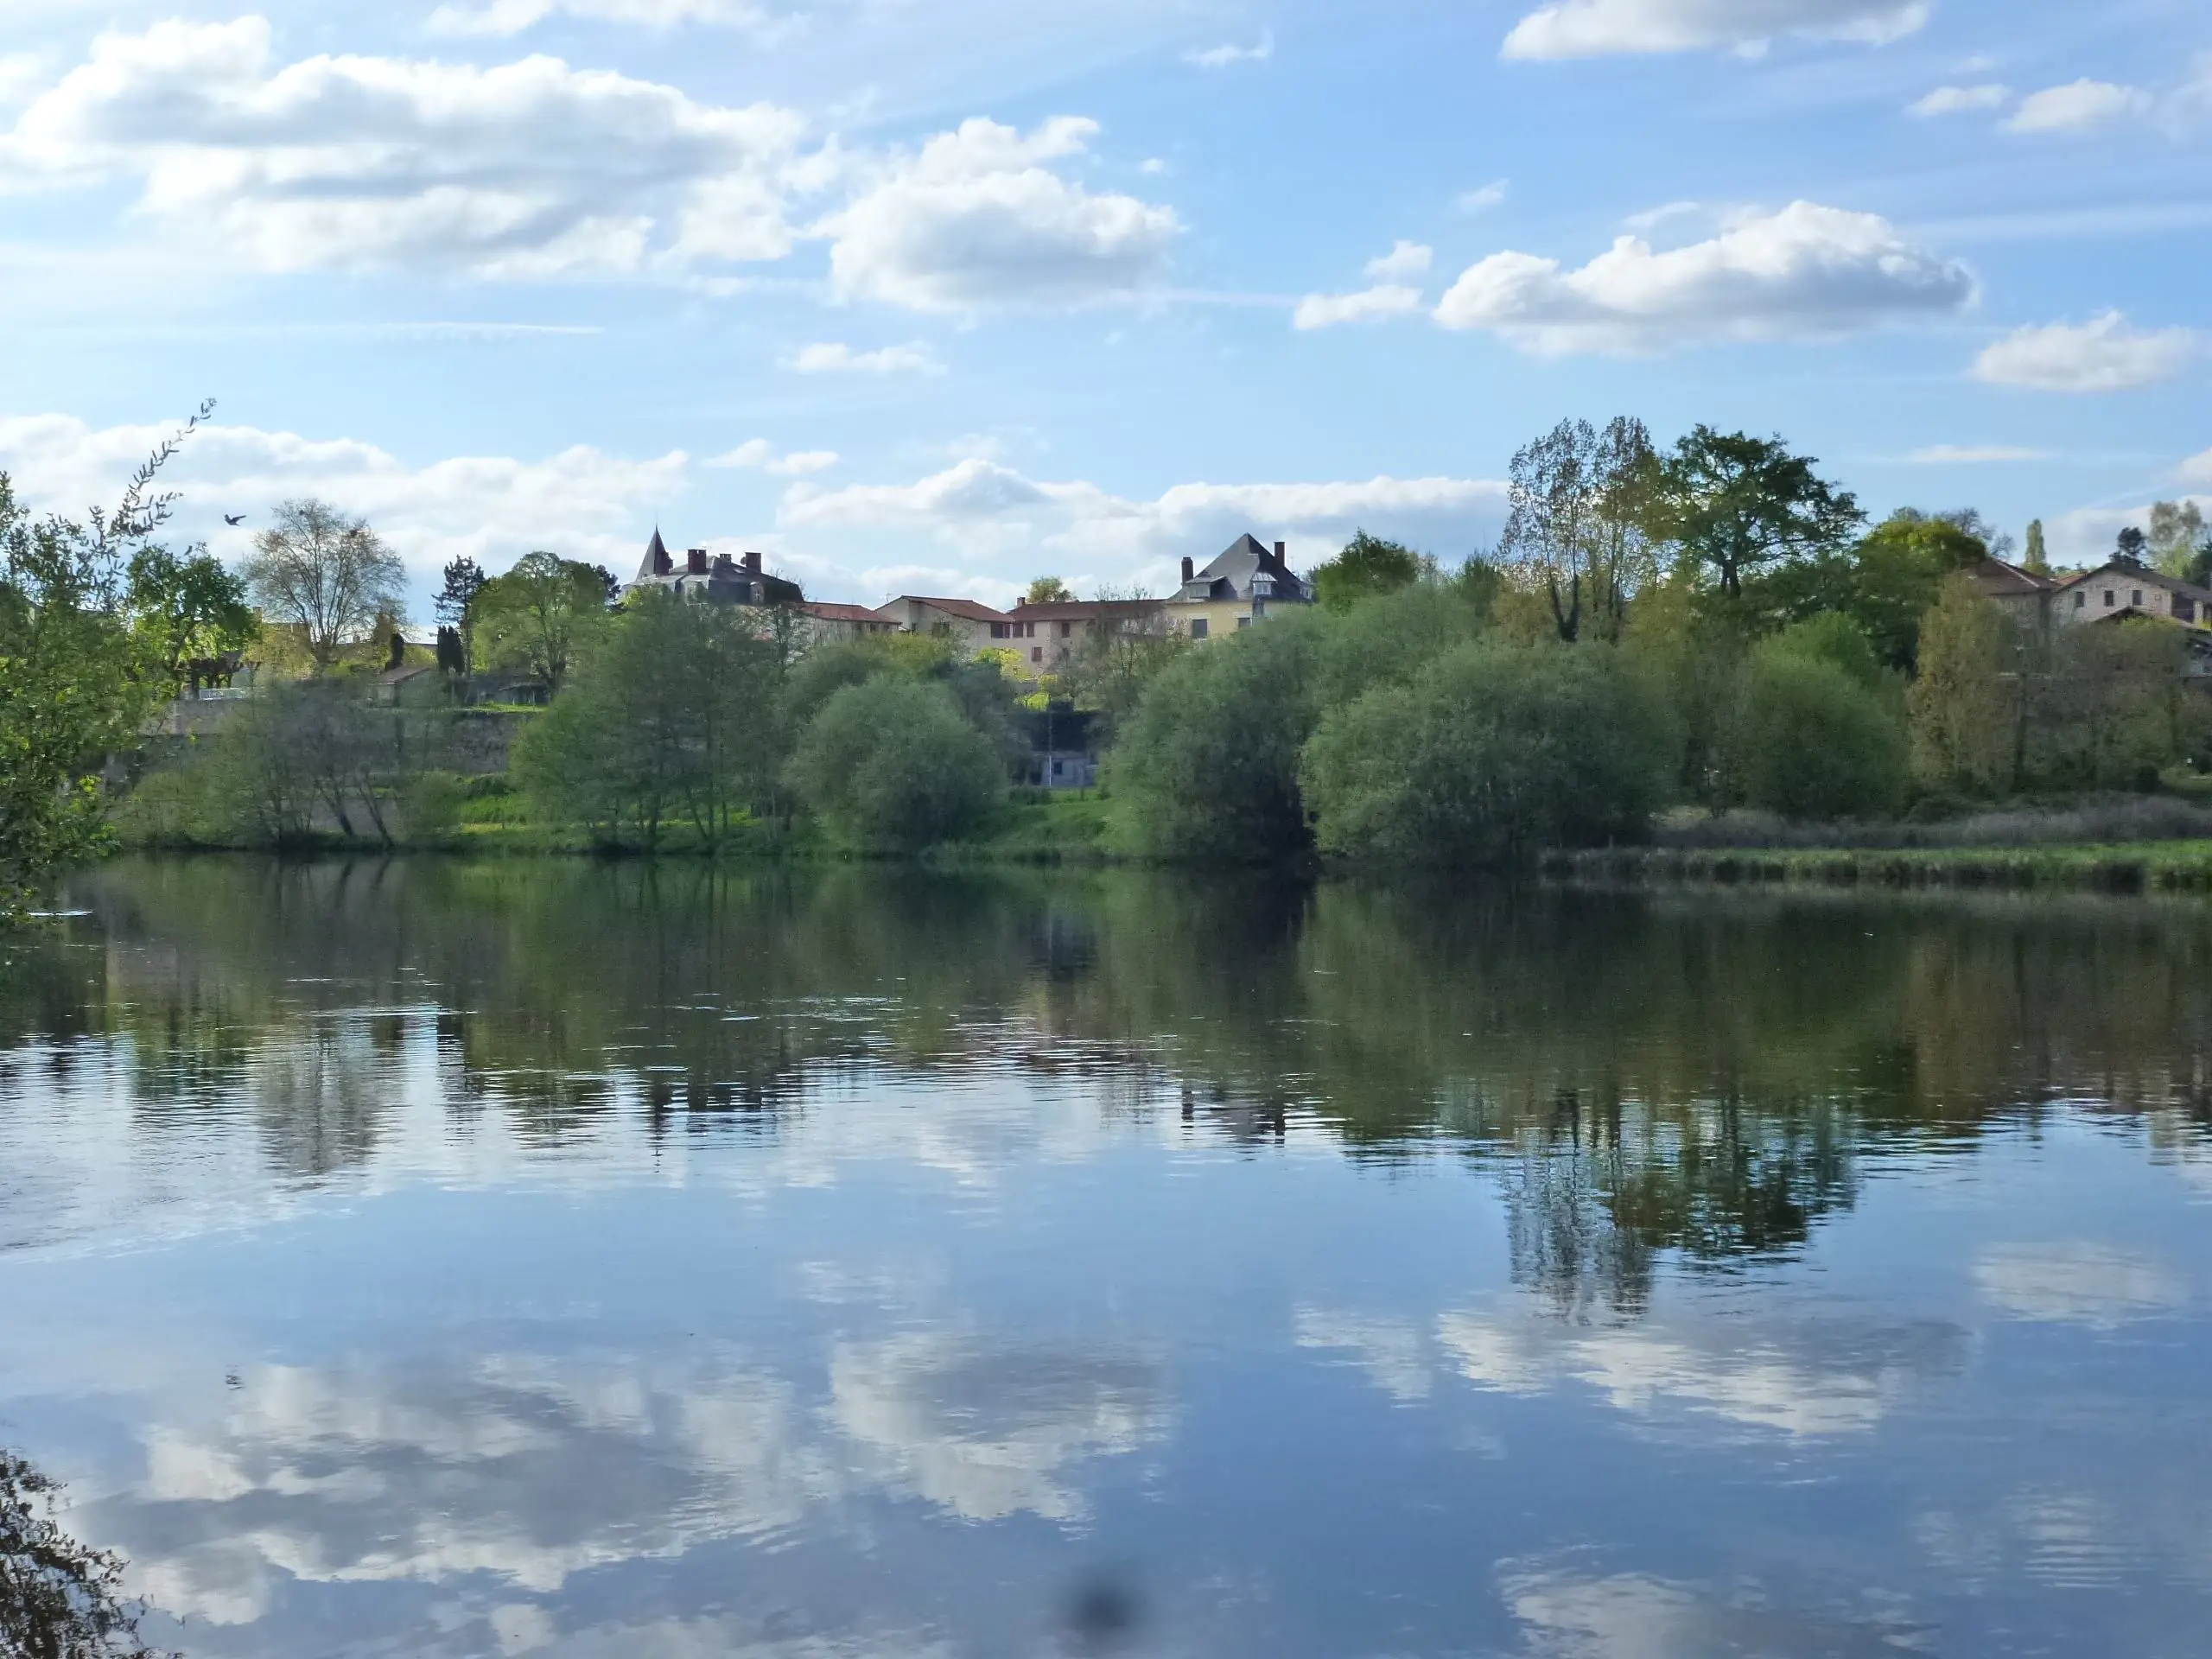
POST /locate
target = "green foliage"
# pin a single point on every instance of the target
(1735, 505)
(1833, 638)
(670, 719)
(1965, 703)
(187, 610)
(894, 765)
(2176, 529)
(1884, 583)
(1208, 764)
(1047, 590)
(2037, 558)
(1391, 638)
(75, 687)
(1491, 754)
(540, 617)
(1815, 738)
(431, 805)
(1368, 566)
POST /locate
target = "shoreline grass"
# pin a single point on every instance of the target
(2097, 867)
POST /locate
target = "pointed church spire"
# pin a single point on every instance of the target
(657, 561)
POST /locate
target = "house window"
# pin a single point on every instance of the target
(1066, 628)
(1036, 653)
(2185, 608)
(2136, 597)
(1243, 622)
(2111, 599)
(1198, 627)
(2080, 599)
(998, 630)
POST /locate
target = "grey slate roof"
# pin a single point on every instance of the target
(657, 560)
(1243, 562)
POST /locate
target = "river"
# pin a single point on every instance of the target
(414, 1257)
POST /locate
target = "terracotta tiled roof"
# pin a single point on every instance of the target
(1085, 610)
(829, 611)
(1997, 576)
(974, 611)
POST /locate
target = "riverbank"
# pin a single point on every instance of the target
(2136, 866)
(488, 817)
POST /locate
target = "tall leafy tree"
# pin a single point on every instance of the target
(1047, 590)
(188, 609)
(325, 573)
(1735, 505)
(2037, 559)
(1368, 566)
(2177, 527)
(1580, 519)
(541, 614)
(1548, 530)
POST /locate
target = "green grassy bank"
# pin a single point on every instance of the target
(2116, 867)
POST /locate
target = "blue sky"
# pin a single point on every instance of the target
(927, 297)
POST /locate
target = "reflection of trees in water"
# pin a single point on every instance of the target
(320, 1089)
(1596, 1187)
(58, 1599)
(1704, 1074)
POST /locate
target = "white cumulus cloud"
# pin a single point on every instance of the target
(980, 510)
(759, 455)
(979, 218)
(1229, 53)
(1961, 100)
(1368, 305)
(513, 17)
(1806, 272)
(1405, 260)
(835, 356)
(2080, 106)
(2197, 469)
(581, 502)
(2104, 354)
(1484, 197)
(1588, 29)
(524, 170)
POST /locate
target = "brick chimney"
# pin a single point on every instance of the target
(1189, 575)
(695, 560)
(1278, 552)
(725, 565)
(752, 564)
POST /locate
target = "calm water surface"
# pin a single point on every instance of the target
(404, 1259)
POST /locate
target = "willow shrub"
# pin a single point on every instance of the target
(1490, 755)
(891, 765)
(1207, 766)
(1814, 739)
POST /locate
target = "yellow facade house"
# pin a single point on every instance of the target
(1236, 590)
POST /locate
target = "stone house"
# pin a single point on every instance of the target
(727, 580)
(967, 623)
(2017, 590)
(2122, 588)
(829, 623)
(1048, 637)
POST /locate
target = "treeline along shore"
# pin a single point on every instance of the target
(1705, 651)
